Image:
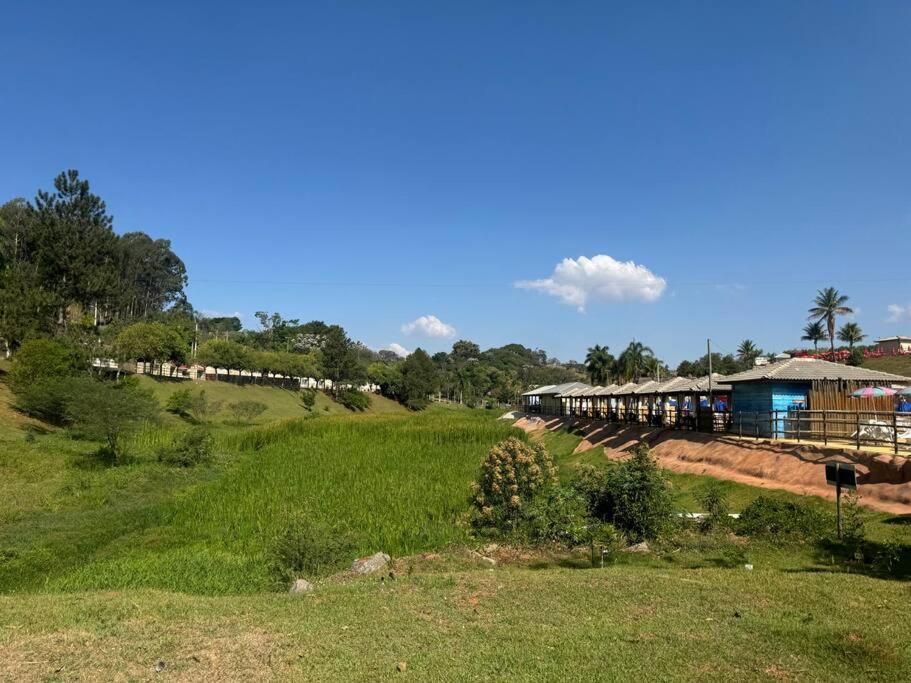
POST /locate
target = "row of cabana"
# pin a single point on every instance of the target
(677, 401)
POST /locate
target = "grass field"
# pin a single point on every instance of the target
(898, 365)
(106, 572)
(619, 623)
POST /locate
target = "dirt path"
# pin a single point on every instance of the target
(884, 480)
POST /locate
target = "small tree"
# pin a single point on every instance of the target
(202, 409)
(633, 496)
(308, 398)
(150, 342)
(714, 501)
(247, 411)
(419, 379)
(41, 359)
(225, 354)
(109, 411)
(511, 475)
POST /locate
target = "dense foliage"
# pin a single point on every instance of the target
(633, 496)
(61, 263)
(513, 473)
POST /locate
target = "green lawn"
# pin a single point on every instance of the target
(617, 623)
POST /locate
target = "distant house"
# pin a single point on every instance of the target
(893, 345)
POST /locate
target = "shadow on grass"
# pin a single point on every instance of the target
(881, 560)
(900, 520)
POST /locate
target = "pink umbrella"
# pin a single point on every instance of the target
(873, 392)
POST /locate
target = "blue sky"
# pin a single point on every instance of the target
(371, 163)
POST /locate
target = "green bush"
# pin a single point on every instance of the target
(633, 496)
(247, 411)
(193, 405)
(46, 398)
(513, 473)
(713, 499)
(353, 399)
(180, 402)
(308, 549)
(109, 411)
(417, 404)
(43, 359)
(308, 398)
(189, 448)
(853, 533)
(559, 516)
(781, 520)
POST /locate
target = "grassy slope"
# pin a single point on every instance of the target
(61, 508)
(282, 403)
(899, 365)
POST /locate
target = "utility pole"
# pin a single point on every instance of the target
(708, 345)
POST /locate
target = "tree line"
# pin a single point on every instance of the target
(62, 265)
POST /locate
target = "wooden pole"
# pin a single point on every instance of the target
(838, 506)
(857, 433)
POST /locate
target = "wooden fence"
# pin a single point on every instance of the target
(857, 428)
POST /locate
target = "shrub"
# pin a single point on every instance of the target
(713, 499)
(180, 402)
(559, 515)
(888, 556)
(308, 398)
(511, 475)
(306, 548)
(778, 519)
(189, 448)
(108, 411)
(353, 399)
(195, 405)
(417, 404)
(247, 411)
(633, 496)
(42, 359)
(852, 529)
(606, 539)
(46, 398)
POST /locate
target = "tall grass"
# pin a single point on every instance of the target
(397, 484)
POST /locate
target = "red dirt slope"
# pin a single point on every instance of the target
(884, 481)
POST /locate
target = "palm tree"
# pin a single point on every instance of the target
(747, 352)
(635, 359)
(814, 332)
(829, 304)
(599, 364)
(851, 334)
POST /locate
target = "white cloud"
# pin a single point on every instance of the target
(898, 313)
(398, 350)
(429, 326)
(599, 278)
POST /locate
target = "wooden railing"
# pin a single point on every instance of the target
(855, 427)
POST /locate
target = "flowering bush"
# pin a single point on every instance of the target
(511, 476)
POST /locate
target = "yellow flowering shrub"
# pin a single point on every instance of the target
(512, 474)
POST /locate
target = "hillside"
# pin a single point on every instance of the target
(128, 570)
(282, 404)
(899, 365)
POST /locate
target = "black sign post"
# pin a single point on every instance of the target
(840, 475)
